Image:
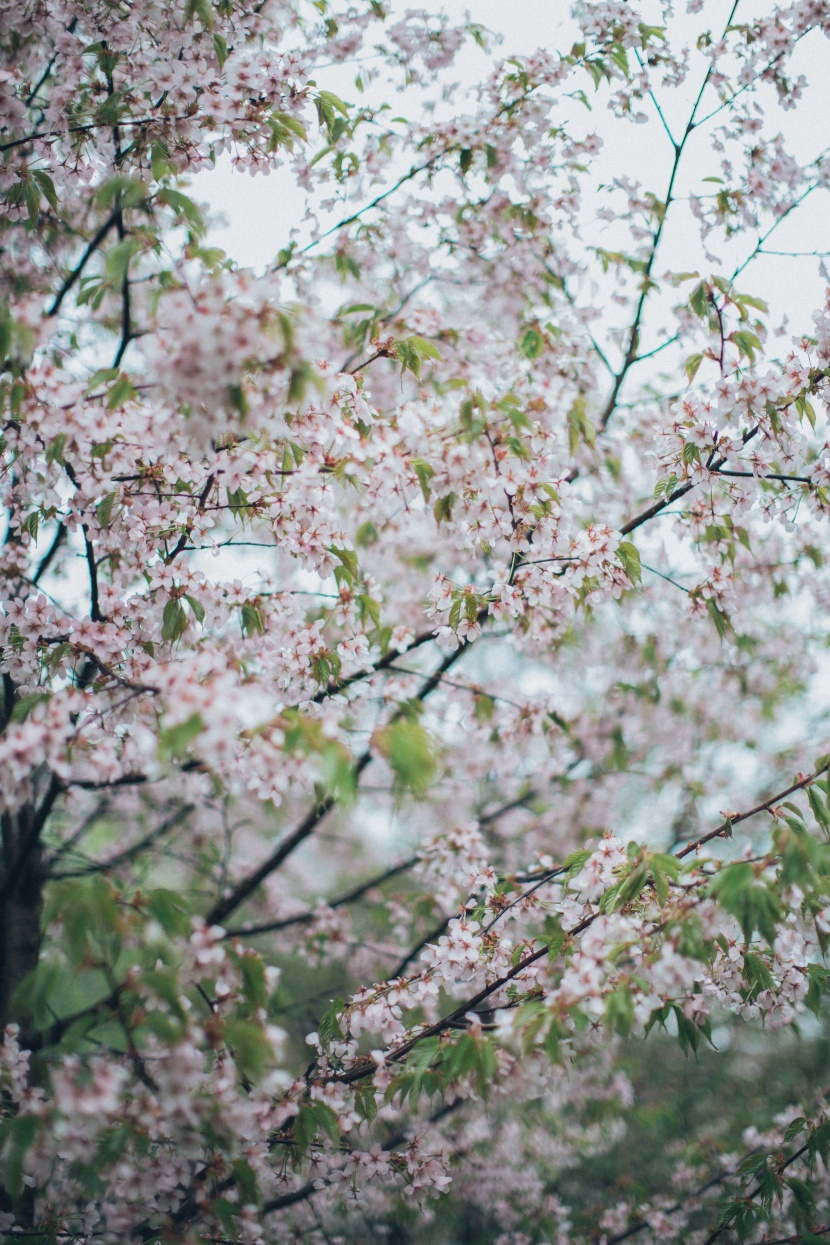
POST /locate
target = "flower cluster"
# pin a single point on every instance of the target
(412, 739)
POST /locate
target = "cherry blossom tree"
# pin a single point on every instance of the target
(413, 751)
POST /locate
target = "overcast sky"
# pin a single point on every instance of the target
(259, 212)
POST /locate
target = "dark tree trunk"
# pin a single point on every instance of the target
(21, 904)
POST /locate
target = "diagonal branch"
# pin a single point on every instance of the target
(397, 1054)
(247, 885)
(303, 918)
(92, 247)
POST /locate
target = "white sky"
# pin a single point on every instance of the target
(260, 212)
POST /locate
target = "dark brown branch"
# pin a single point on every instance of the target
(33, 821)
(129, 853)
(94, 600)
(246, 886)
(48, 557)
(364, 1069)
(769, 475)
(92, 247)
(725, 828)
(759, 1188)
(303, 918)
(21, 896)
(339, 685)
(82, 129)
(645, 515)
(186, 534)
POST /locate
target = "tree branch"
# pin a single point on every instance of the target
(95, 242)
(246, 886)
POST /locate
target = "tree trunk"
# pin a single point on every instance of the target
(21, 904)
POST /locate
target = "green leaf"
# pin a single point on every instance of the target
(31, 524)
(334, 101)
(285, 129)
(117, 261)
(250, 1047)
(443, 508)
(174, 621)
(747, 300)
(699, 301)
(328, 1027)
(365, 1103)
(125, 190)
(688, 1034)
(746, 342)
(337, 773)
(102, 376)
(174, 741)
(201, 9)
(803, 1199)
(757, 974)
(424, 472)
(574, 863)
(246, 1180)
(819, 809)
(408, 748)
(411, 352)
(103, 511)
(185, 208)
(629, 556)
(553, 936)
(692, 364)
(366, 534)
(630, 887)
(254, 985)
(226, 1212)
(817, 978)
(122, 391)
(197, 607)
(238, 399)
(753, 1164)
(753, 904)
(170, 910)
(532, 343)
(55, 448)
(619, 1011)
(17, 1134)
(47, 187)
(88, 912)
(348, 570)
(252, 619)
(580, 427)
(794, 1128)
(220, 47)
(770, 1186)
(661, 884)
(718, 617)
(31, 197)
